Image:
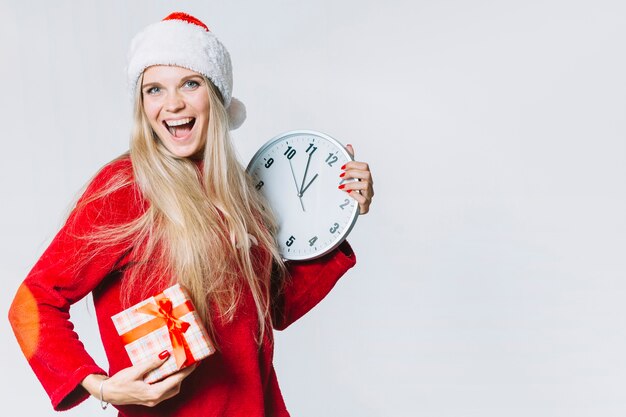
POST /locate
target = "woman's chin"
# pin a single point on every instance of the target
(183, 147)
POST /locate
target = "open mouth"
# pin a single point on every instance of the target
(180, 128)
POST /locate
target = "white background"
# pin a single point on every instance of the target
(490, 275)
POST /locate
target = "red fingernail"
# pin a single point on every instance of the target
(343, 166)
(349, 144)
(342, 186)
(343, 174)
(164, 355)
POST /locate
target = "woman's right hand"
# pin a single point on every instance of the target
(127, 386)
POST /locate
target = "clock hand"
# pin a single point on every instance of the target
(308, 185)
(308, 161)
(295, 182)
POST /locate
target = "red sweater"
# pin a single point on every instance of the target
(239, 380)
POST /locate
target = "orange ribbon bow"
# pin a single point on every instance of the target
(165, 314)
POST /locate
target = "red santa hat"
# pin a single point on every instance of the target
(184, 41)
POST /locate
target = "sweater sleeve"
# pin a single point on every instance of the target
(64, 274)
(307, 283)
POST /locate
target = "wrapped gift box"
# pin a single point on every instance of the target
(167, 321)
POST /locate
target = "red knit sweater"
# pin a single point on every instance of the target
(239, 380)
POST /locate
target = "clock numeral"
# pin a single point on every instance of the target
(311, 147)
(290, 241)
(334, 227)
(269, 162)
(290, 152)
(331, 159)
(259, 185)
(313, 240)
(345, 203)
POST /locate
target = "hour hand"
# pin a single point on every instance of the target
(308, 185)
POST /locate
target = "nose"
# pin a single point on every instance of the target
(174, 102)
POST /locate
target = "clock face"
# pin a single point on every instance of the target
(298, 174)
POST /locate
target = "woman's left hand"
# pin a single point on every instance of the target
(362, 191)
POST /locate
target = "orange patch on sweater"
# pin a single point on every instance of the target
(24, 318)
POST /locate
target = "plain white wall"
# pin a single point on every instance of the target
(490, 278)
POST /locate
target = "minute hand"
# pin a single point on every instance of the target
(306, 170)
(308, 185)
(295, 183)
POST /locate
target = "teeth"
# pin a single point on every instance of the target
(171, 123)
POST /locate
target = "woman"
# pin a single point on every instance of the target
(177, 207)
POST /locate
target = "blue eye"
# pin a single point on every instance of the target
(153, 90)
(192, 84)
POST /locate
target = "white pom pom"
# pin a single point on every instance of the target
(236, 113)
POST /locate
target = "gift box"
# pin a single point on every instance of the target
(167, 321)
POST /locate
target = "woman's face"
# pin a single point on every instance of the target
(176, 102)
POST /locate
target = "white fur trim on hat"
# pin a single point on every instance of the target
(188, 45)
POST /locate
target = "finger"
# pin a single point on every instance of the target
(178, 377)
(364, 203)
(171, 393)
(172, 384)
(184, 373)
(147, 366)
(363, 166)
(350, 150)
(166, 391)
(174, 379)
(355, 173)
(363, 186)
(362, 192)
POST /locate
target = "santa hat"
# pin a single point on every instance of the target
(184, 41)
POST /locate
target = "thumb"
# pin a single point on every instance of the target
(350, 150)
(153, 363)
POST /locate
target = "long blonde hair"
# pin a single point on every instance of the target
(201, 223)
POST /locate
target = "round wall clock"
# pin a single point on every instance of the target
(298, 174)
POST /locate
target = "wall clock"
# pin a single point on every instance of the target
(298, 174)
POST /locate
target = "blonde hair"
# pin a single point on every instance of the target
(201, 222)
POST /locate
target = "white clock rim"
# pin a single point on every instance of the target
(355, 214)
